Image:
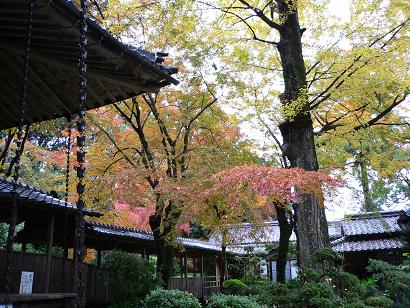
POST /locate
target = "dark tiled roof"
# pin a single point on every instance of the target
(156, 59)
(148, 236)
(36, 196)
(198, 244)
(370, 231)
(404, 215)
(120, 231)
(248, 234)
(371, 223)
(344, 245)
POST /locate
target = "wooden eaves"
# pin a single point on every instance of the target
(116, 71)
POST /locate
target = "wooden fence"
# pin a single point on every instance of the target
(61, 281)
(200, 287)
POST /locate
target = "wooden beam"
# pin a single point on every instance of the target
(49, 249)
(202, 275)
(99, 258)
(6, 110)
(186, 270)
(129, 82)
(13, 65)
(53, 94)
(181, 266)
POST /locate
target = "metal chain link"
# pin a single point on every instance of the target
(19, 143)
(81, 138)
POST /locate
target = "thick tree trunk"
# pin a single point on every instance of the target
(166, 252)
(297, 133)
(283, 249)
(223, 267)
(368, 205)
(163, 224)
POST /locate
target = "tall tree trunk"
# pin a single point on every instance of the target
(283, 249)
(297, 133)
(165, 252)
(368, 205)
(163, 227)
(223, 267)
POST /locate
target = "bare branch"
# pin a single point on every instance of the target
(396, 101)
(261, 15)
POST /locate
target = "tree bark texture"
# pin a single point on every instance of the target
(162, 224)
(283, 249)
(165, 252)
(297, 133)
(368, 205)
(223, 267)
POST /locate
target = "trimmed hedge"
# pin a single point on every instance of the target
(234, 286)
(231, 301)
(161, 298)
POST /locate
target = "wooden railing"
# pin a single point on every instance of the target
(200, 287)
(60, 281)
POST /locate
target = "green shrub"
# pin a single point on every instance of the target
(275, 294)
(394, 279)
(346, 285)
(231, 301)
(379, 301)
(170, 299)
(318, 295)
(234, 286)
(327, 255)
(130, 278)
(307, 274)
(253, 280)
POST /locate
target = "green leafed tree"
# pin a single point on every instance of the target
(308, 75)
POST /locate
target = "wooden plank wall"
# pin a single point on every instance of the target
(97, 291)
(200, 287)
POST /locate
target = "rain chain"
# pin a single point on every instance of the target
(80, 232)
(19, 145)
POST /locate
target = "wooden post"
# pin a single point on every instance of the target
(202, 274)
(194, 265)
(99, 258)
(186, 271)
(50, 234)
(181, 266)
(75, 263)
(9, 244)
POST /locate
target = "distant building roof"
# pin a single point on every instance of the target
(37, 197)
(343, 245)
(370, 231)
(148, 237)
(247, 234)
(371, 223)
(358, 232)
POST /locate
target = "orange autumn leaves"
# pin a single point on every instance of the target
(246, 193)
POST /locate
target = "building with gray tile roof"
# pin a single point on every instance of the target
(370, 231)
(32, 196)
